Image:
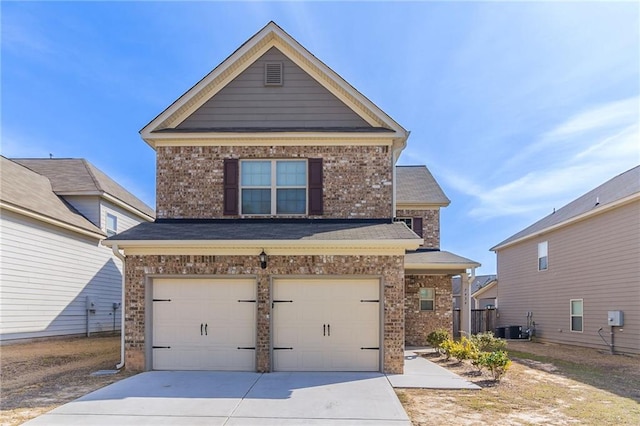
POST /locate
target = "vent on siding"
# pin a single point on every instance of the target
(273, 74)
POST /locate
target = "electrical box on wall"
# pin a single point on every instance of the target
(615, 318)
(92, 303)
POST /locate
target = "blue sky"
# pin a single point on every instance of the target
(516, 108)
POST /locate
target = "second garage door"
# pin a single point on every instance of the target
(326, 325)
(204, 324)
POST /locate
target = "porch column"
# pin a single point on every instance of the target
(465, 309)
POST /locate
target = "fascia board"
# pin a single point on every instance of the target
(128, 207)
(485, 288)
(405, 244)
(598, 211)
(409, 205)
(51, 221)
(267, 139)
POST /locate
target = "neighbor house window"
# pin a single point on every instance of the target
(427, 299)
(273, 187)
(112, 225)
(576, 315)
(543, 259)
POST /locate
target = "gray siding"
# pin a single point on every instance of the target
(46, 274)
(125, 219)
(247, 103)
(597, 260)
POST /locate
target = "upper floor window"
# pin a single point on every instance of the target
(543, 259)
(111, 225)
(273, 187)
(427, 299)
(576, 314)
(407, 220)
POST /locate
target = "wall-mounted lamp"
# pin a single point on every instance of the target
(263, 259)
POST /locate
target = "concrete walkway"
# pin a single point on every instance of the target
(419, 372)
(234, 398)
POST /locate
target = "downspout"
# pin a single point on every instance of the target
(120, 256)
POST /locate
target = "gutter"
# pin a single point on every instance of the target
(120, 256)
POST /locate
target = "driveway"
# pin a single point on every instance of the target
(232, 398)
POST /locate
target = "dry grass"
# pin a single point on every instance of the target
(547, 384)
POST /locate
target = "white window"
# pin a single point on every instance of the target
(112, 225)
(273, 187)
(427, 299)
(543, 259)
(407, 220)
(576, 315)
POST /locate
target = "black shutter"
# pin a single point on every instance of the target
(315, 186)
(231, 186)
(417, 226)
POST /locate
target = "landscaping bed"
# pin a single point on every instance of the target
(546, 384)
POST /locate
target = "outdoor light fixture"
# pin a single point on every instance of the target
(263, 259)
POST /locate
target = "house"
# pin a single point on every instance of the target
(53, 215)
(275, 246)
(575, 274)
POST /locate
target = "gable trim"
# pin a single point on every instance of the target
(270, 36)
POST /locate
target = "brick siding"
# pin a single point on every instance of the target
(430, 225)
(139, 267)
(418, 324)
(357, 179)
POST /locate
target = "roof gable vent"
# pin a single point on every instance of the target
(273, 74)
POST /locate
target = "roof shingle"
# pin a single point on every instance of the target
(415, 184)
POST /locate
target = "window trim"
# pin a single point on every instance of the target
(543, 247)
(571, 316)
(433, 300)
(111, 231)
(274, 187)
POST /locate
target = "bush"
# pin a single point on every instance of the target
(497, 362)
(447, 347)
(464, 349)
(435, 338)
(487, 342)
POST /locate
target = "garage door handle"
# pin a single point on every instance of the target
(328, 329)
(201, 325)
(324, 329)
(205, 329)
(369, 349)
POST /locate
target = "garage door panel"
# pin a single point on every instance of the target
(204, 324)
(326, 324)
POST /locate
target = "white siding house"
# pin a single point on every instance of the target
(51, 257)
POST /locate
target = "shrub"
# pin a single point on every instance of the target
(487, 342)
(464, 349)
(435, 338)
(446, 347)
(497, 363)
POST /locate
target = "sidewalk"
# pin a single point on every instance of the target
(422, 373)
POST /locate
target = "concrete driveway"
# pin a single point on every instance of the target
(230, 398)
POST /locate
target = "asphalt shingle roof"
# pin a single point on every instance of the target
(443, 258)
(415, 184)
(31, 191)
(479, 282)
(76, 175)
(266, 229)
(621, 186)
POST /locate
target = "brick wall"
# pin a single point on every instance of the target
(430, 224)
(418, 324)
(357, 179)
(391, 267)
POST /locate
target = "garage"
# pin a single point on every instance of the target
(204, 324)
(326, 324)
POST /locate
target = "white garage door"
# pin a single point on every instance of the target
(326, 325)
(204, 324)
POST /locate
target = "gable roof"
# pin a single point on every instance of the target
(268, 37)
(415, 185)
(617, 191)
(437, 261)
(31, 194)
(77, 176)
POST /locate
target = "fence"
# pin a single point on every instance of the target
(482, 320)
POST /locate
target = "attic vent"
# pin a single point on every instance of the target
(273, 74)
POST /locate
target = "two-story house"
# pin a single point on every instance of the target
(57, 279)
(275, 246)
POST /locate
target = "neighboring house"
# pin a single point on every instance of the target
(53, 215)
(568, 271)
(275, 246)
